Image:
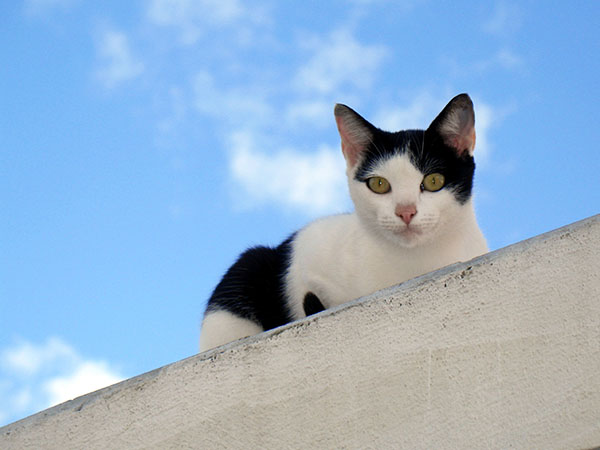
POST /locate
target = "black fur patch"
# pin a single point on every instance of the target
(428, 153)
(253, 287)
(312, 304)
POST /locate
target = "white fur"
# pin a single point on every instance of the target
(221, 327)
(344, 257)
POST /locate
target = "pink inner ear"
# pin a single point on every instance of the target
(350, 154)
(350, 149)
(463, 142)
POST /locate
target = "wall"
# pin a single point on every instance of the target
(503, 351)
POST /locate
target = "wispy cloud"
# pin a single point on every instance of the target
(315, 113)
(334, 66)
(339, 61)
(505, 19)
(116, 61)
(336, 63)
(194, 18)
(486, 117)
(37, 376)
(313, 183)
(242, 104)
(417, 113)
(308, 179)
(27, 358)
(504, 59)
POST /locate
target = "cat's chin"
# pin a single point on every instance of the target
(408, 237)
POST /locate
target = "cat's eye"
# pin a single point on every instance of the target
(379, 185)
(433, 182)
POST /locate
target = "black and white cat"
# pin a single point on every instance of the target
(413, 214)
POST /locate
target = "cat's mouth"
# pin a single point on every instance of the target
(410, 234)
(407, 231)
(410, 231)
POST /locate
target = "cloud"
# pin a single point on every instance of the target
(505, 20)
(309, 183)
(193, 18)
(117, 64)
(241, 104)
(36, 376)
(485, 118)
(418, 113)
(314, 112)
(339, 61)
(27, 358)
(87, 376)
(313, 183)
(503, 59)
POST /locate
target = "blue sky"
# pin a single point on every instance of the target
(144, 144)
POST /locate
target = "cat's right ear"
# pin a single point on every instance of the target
(355, 132)
(456, 125)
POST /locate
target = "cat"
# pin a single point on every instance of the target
(412, 193)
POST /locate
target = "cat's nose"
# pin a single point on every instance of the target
(406, 212)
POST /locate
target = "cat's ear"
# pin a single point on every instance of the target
(456, 125)
(356, 133)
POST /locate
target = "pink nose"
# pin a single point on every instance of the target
(406, 212)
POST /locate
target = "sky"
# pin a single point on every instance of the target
(145, 144)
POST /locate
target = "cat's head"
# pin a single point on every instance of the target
(411, 186)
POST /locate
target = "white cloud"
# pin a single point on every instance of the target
(485, 115)
(117, 64)
(27, 358)
(504, 20)
(316, 113)
(175, 11)
(338, 61)
(37, 376)
(503, 59)
(86, 377)
(312, 183)
(241, 105)
(508, 59)
(193, 18)
(417, 114)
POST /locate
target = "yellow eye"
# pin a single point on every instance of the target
(379, 185)
(433, 182)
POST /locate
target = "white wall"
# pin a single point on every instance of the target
(502, 352)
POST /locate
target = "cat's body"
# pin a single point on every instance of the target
(414, 214)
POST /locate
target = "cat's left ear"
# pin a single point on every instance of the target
(356, 133)
(456, 125)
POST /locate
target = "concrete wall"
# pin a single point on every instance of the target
(501, 352)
